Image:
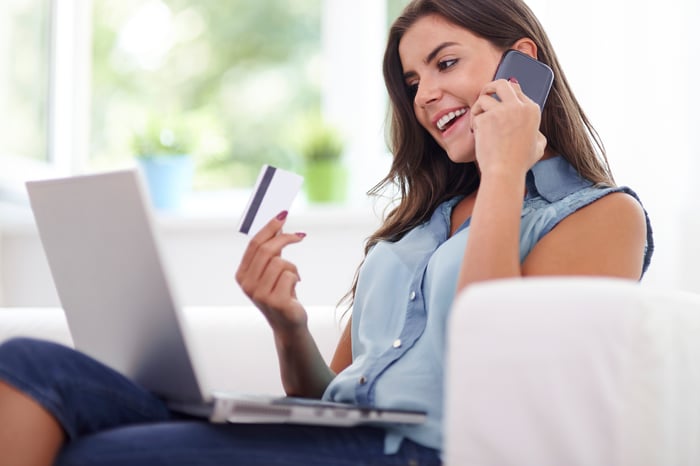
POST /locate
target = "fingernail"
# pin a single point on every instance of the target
(300, 234)
(282, 215)
(513, 79)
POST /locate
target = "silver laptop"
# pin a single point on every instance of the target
(98, 236)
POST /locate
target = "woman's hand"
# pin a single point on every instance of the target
(269, 280)
(506, 130)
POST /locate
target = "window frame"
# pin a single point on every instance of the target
(68, 82)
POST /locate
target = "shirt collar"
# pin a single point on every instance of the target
(554, 179)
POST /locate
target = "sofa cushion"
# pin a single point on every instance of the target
(232, 346)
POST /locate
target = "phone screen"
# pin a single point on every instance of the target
(535, 78)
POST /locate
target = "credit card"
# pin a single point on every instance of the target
(274, 192)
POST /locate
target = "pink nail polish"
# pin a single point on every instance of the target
(300, 234)
(513, 79)
(282, 215)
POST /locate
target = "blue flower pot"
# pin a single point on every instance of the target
(169, 179)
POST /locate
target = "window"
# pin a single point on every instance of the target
(24, 85)
(238, 75)
(393, 9)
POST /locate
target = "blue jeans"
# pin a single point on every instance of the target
(109, 420)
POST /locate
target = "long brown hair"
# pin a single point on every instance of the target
(421, 170)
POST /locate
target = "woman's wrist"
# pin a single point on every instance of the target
(503, 175)
(288, 336)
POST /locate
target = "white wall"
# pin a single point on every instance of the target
(689, 229)
(632, 66)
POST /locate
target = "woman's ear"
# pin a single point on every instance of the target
(526, 46)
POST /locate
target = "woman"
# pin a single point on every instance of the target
(489, 189)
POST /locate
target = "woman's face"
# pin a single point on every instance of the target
(446, 66)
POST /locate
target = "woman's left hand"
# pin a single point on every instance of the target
(506, 130)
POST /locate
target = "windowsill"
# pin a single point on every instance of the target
(220, 210)
(201, 246)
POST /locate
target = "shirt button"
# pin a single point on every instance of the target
(363, 380)
(397, 343)
(412, 296)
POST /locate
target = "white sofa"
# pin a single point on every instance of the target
(232, 345)
(557, 371)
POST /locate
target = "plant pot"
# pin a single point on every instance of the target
(326, 182)
(168, 178)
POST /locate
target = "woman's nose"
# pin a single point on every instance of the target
(426, 93)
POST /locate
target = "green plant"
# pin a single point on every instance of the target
(321, 142)
(162, 136)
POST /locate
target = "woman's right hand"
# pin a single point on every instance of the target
(506, 130)
(269, 280)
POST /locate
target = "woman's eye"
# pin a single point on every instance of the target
(412, 90)
(444, 64)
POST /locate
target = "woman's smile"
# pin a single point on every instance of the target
(448, 119)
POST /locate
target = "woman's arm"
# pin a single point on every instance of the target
(492, 250)
(507, 144)
(270, 282)
(606, 238)
(343, 352)
(303, 370)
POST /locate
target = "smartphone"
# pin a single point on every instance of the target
(535, 78)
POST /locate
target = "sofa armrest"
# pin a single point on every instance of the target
(573, 371)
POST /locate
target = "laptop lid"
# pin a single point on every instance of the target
(99, 241)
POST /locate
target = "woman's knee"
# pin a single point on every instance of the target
(26, 347)
(29, 357)
(84, 394)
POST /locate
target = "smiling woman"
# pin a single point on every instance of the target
(515, 198)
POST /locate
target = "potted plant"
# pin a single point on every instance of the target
(325, 175)
(163, 148)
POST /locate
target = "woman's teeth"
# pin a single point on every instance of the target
(446, 119)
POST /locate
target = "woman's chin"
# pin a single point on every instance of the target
(461, 156)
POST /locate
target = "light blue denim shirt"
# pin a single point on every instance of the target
(405, 291)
